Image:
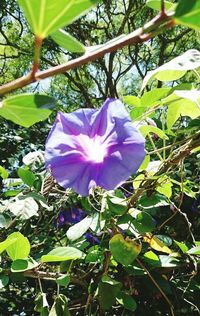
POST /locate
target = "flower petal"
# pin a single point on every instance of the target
(120, 164)
(91, 147)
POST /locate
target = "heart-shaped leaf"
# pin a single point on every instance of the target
(47, 16)
(26, 109)
(123, 250)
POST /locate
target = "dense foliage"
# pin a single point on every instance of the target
(84, 242)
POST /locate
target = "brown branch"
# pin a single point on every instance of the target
(138, 36)
(36, 274)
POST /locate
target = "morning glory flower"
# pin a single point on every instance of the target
(89, 148)
(93, 240)
(71, 216)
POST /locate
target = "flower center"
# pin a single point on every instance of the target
(93, 149)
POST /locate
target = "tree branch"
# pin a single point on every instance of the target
(138, 36)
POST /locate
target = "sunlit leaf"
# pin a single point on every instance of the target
(175, 68)
(165, 187)
(156, 4)
(187, 13)
(68, 42)
(77, 230)
(147, 129)
(156, 244)
(137, 112)
(132, 100)
(181, 245)
(194, 251)
(62, 254)
(153, 97)
(182, 103)
(3, 173)
(19, 249)
(6, 243)
(124, 251)
(46, 17)
(23, 206)
(26, 109)
(145, 163)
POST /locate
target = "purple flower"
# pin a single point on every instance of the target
(72, 216)
(93, 240)
(89, 148)
(127, 188)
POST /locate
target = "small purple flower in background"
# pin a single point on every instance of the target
(93, 240)
(127, 188)
(72, 216)
(89, 148)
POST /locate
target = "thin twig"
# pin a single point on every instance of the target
(158, 287)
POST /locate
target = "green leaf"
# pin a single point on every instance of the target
(3, 173)
(155, 200)
(19, 249)
(145, 163)
(182, 103)
(165, 187)
(116, 205)
(94, 255)
(26, 109)
(181, 245)
(6, 243)
(151, 259)
(77, 230)
(146, 129)
(156, 4)
(59, 307)
(47, 16)
(153, 97)
(27, 176)
(187, 13)
(175, 68)
(194, 251)
(68, 42)
(124, 251)
(4, 280)
(63, 280)
(137, 112)
(62, 254)
(41, 304)
(21, 265)
(107, 290)
(127, 301)
(132, 100)
(143, 221)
